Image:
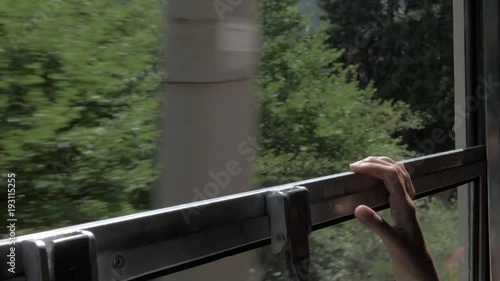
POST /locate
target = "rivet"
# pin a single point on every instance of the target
(280, 237)
(118, 261)
(329, 206)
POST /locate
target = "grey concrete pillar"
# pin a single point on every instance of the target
(209, 125)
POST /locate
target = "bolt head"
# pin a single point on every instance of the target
(118, 262)
(280, 237)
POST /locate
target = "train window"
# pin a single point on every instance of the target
(184, 139)
(392, 93)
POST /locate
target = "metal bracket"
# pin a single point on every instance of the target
(68, 257)
(290, 219)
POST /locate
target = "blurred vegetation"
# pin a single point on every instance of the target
(79, 103)
(315, 117)
(405, 50)
(78, 107)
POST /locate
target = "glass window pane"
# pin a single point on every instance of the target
(349, 251)
(371, 78)
(80, 104)
(375, 79)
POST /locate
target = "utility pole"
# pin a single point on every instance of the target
(209, 121)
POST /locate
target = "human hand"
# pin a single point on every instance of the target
(404, 241)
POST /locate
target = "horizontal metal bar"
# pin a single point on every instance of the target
(168, 240)
(334, 211)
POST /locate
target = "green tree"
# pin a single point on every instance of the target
(406, 49)
(78, 107)
(316, 119)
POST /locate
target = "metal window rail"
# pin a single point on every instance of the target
(161, 242)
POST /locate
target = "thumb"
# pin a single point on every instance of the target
(371, 220)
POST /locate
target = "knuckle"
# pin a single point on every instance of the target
(391, 173)
(394, 170)
(385, 158)
(401, 165)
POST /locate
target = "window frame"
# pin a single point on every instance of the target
(244, 218)
(234, 224)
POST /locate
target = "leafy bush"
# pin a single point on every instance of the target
(78, 107)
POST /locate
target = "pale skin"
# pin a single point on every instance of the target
(403, 240)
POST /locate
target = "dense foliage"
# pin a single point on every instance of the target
(78, 107)
(406, 49)
(78, 110)
(315, 117)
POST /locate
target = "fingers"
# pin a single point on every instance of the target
(404, 241)
(408, 182)
(397, 181)
(388, 173)
(387, 159)
(371, 220)
(393, 174)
